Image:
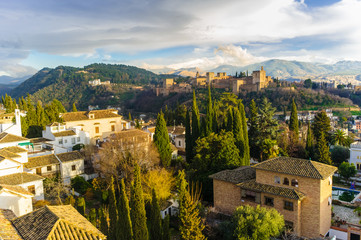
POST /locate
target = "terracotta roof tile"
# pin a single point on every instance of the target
(7, 154)
(178, 130)
(19, 178)
(7, 230)
(297, 167)
(70, 156)
(55, 124)
(265, 188)
(130, 133)
(84, 115)
(16, 149)
(237, 175)
(56, 222)
(8, 137)
(41, 161)
(64, 133)
(15, 189)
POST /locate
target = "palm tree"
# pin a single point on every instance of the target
(339, 137)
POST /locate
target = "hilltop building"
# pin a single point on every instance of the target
(169, 86)
(300, 189)
(97, 82)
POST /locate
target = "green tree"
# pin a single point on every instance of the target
(130, 117)
(339, 154)
(102, 213)
(347, 171)
(137, 212)
(113, 212)
(195, 120)
(209, 119)
(321, 124)
(155, 218)
(161, 140)
(307, 83)
(80, 205)
(238, 134)
(257, 223)
(74, 108)
(245, 134)
(124, 228)
(166, 231)
(309, 142)
(189, 143)
(339, 138)
(253, 129)
(323, 151)
(293, 126)
(93, 216)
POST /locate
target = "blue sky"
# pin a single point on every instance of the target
(158, 34)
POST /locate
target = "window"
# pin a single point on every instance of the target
(38, 171)
(60, 141)
(289, 225)
(358, 165)
(31, 189)
(277, 180)
(78, 139)
(96, 129)
(251, 196)
(49, 168)
(65, 141)
(288, 205)
(72, 140)
(73, 168)
(113, 128)
(294, 183)
(269, 201)
(286, 181)
(179, 143)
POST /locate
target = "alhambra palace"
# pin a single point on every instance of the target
(255, 82)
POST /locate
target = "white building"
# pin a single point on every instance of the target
(62, 139)
(180, 141)
(11, 140)
(355, 155)
(16, 199)
(8, 125)
(170, 207)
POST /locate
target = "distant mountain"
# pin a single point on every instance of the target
(11, 80)
(71, 85)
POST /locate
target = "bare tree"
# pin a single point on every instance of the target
(55, 190)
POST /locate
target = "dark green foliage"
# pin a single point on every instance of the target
(166, 230)
(195, 120)
(238, 134)
(229, 123)
(74, 108)
(137, 212)
(124, 228)
(155, 231)
(309, 142)
(347, 196)
(70, 200)
(161, 140)
(347, 171)
(339, 154)
(113, 212)
(253, 128)
(321, 124)
(80, 205)
(77, 147)
(293, 126)
(130, 117)
(307, 83)
(93, 216)
(209, 117)
(323, 150)
(245, 134)
(103, 221)
(80, 185)
(189, 145)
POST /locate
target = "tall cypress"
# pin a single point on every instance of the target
(309, 142)
(103, 221)
(155, 218)
(74, 108)
(203, 127)
(93, 216)
(209, 117)
(161, 140)
(113, 212)
(124, 228)
(245, 134)
(195, 120)
(80, 205)
(293, 126)
(238, 134)
(229, 124)
(189, 145)
(323, 151)
(166, 232)
(215, 119)
(137, 212)
(253, 129)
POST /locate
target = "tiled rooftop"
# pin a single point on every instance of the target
(19, 178)
(236, 175)
(84, 115)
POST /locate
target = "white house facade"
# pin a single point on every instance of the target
(16, 199)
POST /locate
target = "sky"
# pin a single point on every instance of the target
(158, 34)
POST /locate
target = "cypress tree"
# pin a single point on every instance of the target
(209, 120)
(137, 212)
(74, 108)
(161, 140)
(321, 123)
(155, 218)
(113, 212)
(253, 129)
(245, 134)
(215, 119)
(229, 124)
(195, 120)
(125, 230)
(323, 151)
(203, 127)
(166, 232)
(130, 117)
(93, 216)
(238, 134)
(293, 126)
(189, 145)
(80, 205)
(309, 142)
(103, 221)
(14, 106)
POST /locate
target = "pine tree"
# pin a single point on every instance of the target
(74, 108)
(189, 145)
(166, 232)
(293, 126)
(103, 221)
(155, 218)
(245, 134)
(238, 134)
(323, 151)
(161, 140)
(209, 120)
(124, 228)
(195, 120)
(113, 212)
(309, 142)
(137, 212)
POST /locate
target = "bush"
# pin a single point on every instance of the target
(347, 196)
(80, 185)
(77, 147)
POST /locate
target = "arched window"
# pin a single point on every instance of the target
(286, 181)
(294, 183)
(277, 180)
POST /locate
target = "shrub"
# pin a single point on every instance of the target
(347, 196)
(80, 185)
